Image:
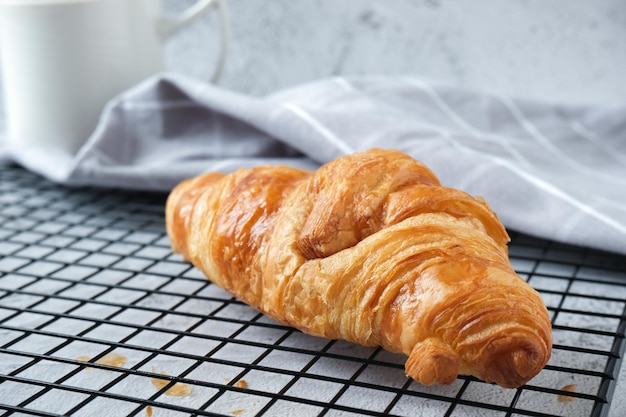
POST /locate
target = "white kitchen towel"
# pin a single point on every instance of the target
(551, 170)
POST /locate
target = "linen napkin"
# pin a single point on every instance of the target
(552, 170)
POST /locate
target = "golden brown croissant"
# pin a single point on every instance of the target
(369, 248)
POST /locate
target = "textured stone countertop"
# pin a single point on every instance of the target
(571, 50)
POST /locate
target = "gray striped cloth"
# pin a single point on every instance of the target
(551, 170)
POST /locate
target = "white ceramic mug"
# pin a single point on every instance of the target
(62, 60)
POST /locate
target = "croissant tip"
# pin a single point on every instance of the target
(433, 362)
(513, 367)
(510, 361)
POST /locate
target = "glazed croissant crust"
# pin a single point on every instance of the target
(370, 248)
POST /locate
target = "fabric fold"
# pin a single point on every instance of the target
(552, 170)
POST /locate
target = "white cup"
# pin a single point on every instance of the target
(62, 60)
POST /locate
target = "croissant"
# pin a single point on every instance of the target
(370, 248)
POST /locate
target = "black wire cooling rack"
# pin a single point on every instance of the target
(97, 317)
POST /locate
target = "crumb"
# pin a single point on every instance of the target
(110, 359)
(237, 412)
(566, 398)
(149, 411)
(241, 384)
(179, 389)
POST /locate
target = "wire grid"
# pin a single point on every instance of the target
(87, 275)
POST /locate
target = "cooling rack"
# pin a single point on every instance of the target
(98, 317)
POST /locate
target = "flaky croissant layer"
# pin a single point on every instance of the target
(370, 248)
